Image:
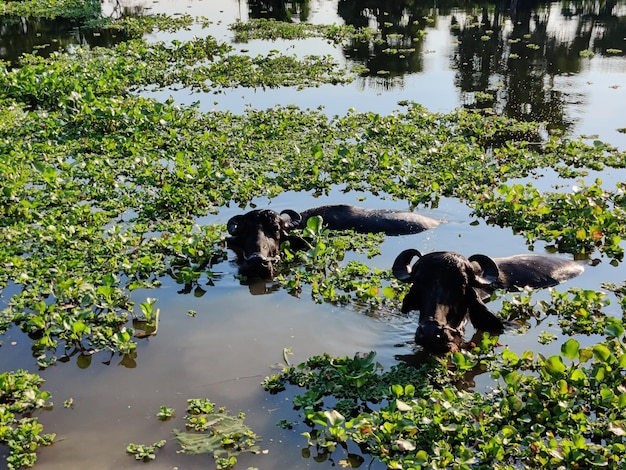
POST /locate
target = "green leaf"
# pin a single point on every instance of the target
(607, 395)
(397, 390)
(403, 406)
(315, 224)
(389, 292)
(577, 375)
(617, 428)
(450, 427)
(554, 366)
(79, 327)
(570, 348)
(585, 354)
(602, 353)
(334, 417)
(421, 458)
(405, 445)
(614, 327)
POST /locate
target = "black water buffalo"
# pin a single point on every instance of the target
(257, 235)
(447, 288)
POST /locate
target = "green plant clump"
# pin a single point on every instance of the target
(581, 221)
(137, 26)
(79, 10)
(269, 29)
(565, 410)
(21, 433)
(318, 266)
(103, 198)
(165, 413)
(143, 451)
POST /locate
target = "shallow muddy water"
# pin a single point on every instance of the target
(239, 332)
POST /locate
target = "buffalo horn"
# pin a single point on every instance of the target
(233, 225)
(486, 269)
(294, 218)
(402, 265)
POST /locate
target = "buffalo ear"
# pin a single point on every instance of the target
(482, 318)
(485, 269)
(402, 265)
(411, 301)
(293, 221)
(233, 225)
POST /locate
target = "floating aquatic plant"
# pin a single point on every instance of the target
(20, 432)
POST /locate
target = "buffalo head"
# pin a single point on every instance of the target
(257, 235)
(445, 289)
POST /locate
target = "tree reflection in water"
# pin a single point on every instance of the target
(507, 53)
(44, 36)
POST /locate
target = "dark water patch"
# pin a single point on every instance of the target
(43, 37)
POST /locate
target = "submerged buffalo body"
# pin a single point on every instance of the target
(447, 288)
(257, 235)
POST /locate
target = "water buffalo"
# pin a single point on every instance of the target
(447, 288)
(257, 235)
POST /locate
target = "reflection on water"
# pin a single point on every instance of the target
(507, 54)
(43, 36)
(280, 10)
(558, 62)
(515, 54)
(401, 26)
(29, 35)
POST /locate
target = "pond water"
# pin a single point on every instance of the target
(239, 331)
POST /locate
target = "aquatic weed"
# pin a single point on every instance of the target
(542, 411)
(21, 433)
(144, 452)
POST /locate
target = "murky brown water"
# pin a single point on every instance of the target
(237, 335)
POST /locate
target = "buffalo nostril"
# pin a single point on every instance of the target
(439, 333)
(259, 261)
